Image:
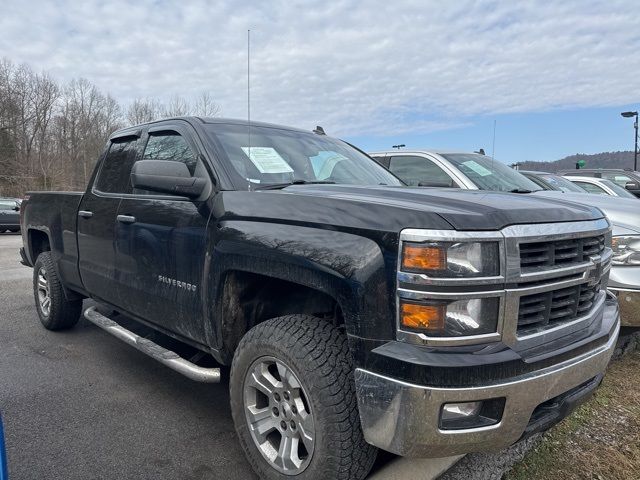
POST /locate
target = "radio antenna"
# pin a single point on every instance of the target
(249, 96)
(493, 144)
(249, 86)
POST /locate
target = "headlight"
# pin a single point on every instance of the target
(626, 250)
(452, 259)
(451, 318)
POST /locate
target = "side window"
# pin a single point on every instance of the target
(618, 178)
(116, 166)
(384, 161)
(419, 170)
(172, 146)
(591, 188)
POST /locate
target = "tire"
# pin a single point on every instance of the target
(58, 313)
(14, 230)
(309, 359)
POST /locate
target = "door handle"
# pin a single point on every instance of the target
(126, 219)
(85, 214)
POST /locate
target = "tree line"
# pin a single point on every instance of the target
(622, 159)
(52, 133)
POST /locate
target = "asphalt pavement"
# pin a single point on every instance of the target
(82, 405)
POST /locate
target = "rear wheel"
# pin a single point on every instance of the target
(54, 310)
(293, 402)
(14, 230)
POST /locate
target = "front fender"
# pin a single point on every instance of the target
(354, 270)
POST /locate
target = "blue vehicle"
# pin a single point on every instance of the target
(4, 473)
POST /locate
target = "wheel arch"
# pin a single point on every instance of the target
(337, 276)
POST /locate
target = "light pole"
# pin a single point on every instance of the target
(635, 126)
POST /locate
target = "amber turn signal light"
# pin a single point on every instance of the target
(422, 317)
(418, 257)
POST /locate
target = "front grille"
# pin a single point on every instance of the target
(548, 309)
(559, 253)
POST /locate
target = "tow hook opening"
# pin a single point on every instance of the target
(476, 414)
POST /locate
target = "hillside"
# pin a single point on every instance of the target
(597, 160)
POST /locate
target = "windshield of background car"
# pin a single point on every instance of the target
(567, 186)
(274, 156)
(4, 205)
(489, 174)
(619, 191)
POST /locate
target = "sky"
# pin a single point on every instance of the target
(552, 76)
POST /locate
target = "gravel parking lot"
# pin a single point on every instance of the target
(83, 405)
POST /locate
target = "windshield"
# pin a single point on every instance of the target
(561, 183)
(272, 156)
(618, 190)
(489, 174)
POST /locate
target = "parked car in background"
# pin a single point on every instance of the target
(550, 181)
(600, 186)
(479, 172)
(9, 215)
(627, 179)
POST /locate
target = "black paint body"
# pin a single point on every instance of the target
(339, 240)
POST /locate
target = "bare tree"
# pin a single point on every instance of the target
(205, 106)
(143, 110)
(51, 135)
(177, 107)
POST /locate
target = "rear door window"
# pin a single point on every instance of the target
(591, 188)
(619, 178)
(116, 167)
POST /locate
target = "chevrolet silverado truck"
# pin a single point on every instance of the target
(479, 172)
(355, 312)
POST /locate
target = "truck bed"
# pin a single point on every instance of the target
(55, 213)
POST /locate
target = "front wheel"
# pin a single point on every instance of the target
(54, 310)
(293, 402)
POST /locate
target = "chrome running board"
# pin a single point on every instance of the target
(155, 351)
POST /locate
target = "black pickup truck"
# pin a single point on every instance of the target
(354, 312)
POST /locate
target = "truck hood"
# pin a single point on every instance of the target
(623, 213)
(394, 208)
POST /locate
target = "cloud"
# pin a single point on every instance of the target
(355, 67)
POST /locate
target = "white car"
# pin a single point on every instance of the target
(600, 186)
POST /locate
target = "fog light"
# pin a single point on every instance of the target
(454, 411)
(458, 416)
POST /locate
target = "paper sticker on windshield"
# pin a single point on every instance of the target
(267, 160)
(476, 167)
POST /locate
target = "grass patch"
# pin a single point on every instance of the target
(600, 440)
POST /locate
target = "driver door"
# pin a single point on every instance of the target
(161, 241)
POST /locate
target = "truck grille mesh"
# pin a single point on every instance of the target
(548, 309)
(559, 253)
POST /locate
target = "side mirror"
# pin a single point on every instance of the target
(165, 176)
(631, 186)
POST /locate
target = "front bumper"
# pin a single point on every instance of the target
(624, 283)
(404, 418)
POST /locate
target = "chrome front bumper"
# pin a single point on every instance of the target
(403, 418)
(624, 283)
(629, 301)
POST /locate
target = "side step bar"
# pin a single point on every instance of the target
(155, 351)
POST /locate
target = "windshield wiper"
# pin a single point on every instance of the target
(276, 186)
